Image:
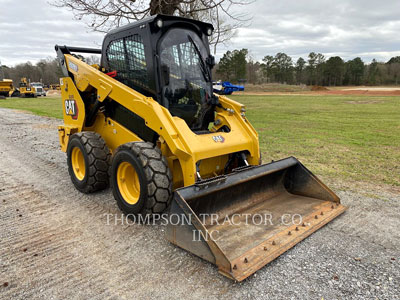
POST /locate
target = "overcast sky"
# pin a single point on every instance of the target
(370, 29)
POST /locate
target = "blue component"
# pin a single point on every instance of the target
(227, 88)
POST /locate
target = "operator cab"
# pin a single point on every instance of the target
(167, 58)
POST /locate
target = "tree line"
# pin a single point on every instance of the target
(46, 71)
(316, 69)
(236, 66)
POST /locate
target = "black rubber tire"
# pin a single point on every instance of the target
(16, 94)
(154, 175)
(97, 159)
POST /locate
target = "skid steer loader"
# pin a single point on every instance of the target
(26, 90)
(146, 120)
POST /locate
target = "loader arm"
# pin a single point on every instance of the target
(181, 142)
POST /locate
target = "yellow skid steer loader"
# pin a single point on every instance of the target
(26, 90)
(146, 120)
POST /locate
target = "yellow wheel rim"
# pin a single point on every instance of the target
(128, 183)
(78, 163)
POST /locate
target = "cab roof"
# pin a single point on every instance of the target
(165, 18)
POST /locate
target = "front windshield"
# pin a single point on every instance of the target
(187, 90)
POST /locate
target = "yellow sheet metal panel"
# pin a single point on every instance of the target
(64, 132)
(73, 106)
(112, 132)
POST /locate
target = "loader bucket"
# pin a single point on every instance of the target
(244, 220)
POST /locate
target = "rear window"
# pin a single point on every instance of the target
(127, 57)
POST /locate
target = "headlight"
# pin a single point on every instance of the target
(159, 23)
(209, 31)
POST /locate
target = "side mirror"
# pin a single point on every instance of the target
(165, 74)
(210, 60)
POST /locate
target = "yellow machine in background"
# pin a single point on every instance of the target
(6, 87)
(55, 86)
(26, 90)
(147, 121)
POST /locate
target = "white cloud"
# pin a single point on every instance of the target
(368, 28)
(351, 28)
(30, 29)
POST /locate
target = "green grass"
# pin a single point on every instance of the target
(347, 137)
(42, 106)
(353, 138)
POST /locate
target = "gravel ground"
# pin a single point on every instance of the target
(55, 242)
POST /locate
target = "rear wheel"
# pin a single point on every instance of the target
(88, 159)
(140, 179)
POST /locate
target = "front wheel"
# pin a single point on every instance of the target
(140, 178)
(88, 159)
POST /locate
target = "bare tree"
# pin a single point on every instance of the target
(92, 59)
(103, 15)
(46, 70)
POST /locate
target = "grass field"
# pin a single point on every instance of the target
(348, 137)
(354, 138)
(42, 106)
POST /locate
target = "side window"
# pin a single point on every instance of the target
(116, 55)
(127, 57)
(136, 60)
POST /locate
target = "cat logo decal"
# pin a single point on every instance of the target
(71, 109)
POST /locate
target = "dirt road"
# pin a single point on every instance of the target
(55, 242)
